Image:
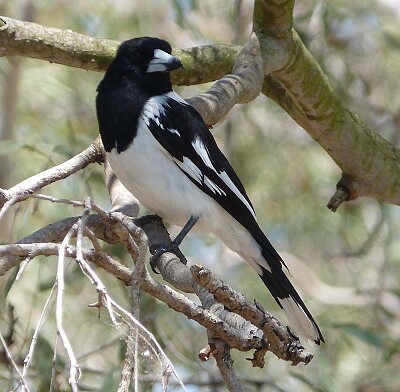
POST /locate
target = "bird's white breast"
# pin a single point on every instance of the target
(147, 170)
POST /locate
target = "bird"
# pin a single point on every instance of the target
(162, 151)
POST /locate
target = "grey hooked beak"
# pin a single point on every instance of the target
(162, 62)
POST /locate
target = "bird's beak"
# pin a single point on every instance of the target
(163, 62)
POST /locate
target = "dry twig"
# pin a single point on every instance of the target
(74, 371)
(14, 365)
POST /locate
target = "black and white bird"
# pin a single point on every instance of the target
(164, 154)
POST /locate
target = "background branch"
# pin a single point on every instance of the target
(369, 162)
(19, 38)
(32, 184)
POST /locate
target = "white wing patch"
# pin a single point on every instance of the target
(190, 168)
(225, 178)
(202, 151)
(193, 171)
(213, 186)
(153, 109)
(173, 130)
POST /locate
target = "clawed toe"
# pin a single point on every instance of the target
(153, 262)
(158, 250)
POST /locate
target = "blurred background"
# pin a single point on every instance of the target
(346, 264)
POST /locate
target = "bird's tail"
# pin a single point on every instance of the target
(286, 295)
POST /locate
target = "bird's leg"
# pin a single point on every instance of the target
(185, 229)
(174, 245)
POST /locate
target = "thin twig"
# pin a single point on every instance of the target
(74, 372)
(22, 267)
(7, 205)
(130, 370)
(33, 184)
(225, 366)
(35, 335)
(85, 267)
(53, 365)
(132, 322)
(21, 197)
(131, 363)
(106, 299)
(94, 240)
(14, 365)
(53, 199)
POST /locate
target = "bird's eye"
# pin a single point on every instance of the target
(136, 57)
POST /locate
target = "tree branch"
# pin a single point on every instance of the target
(241, 86)
(283, 343)
(33, 184)
(19, 38)
(370, 164)
(236, 331)
(225, 366)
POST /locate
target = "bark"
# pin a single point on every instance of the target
(292, 78)
(19, 38)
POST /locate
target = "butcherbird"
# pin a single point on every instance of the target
(164, 154)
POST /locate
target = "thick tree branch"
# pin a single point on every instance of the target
(370, 164)
(241, 86)
(121, 199)
(55, 45)
(273, 15)
(19, 38)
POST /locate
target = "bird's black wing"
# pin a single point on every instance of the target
(181, 131)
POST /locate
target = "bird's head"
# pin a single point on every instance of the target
(146, 55)
(144, 61)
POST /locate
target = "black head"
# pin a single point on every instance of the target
(145, 63)
(139, 71)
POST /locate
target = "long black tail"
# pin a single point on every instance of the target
(285, 294)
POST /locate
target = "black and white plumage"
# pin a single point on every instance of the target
(162, 151)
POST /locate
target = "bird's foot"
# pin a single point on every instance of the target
(158, 250)
(173, 247)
